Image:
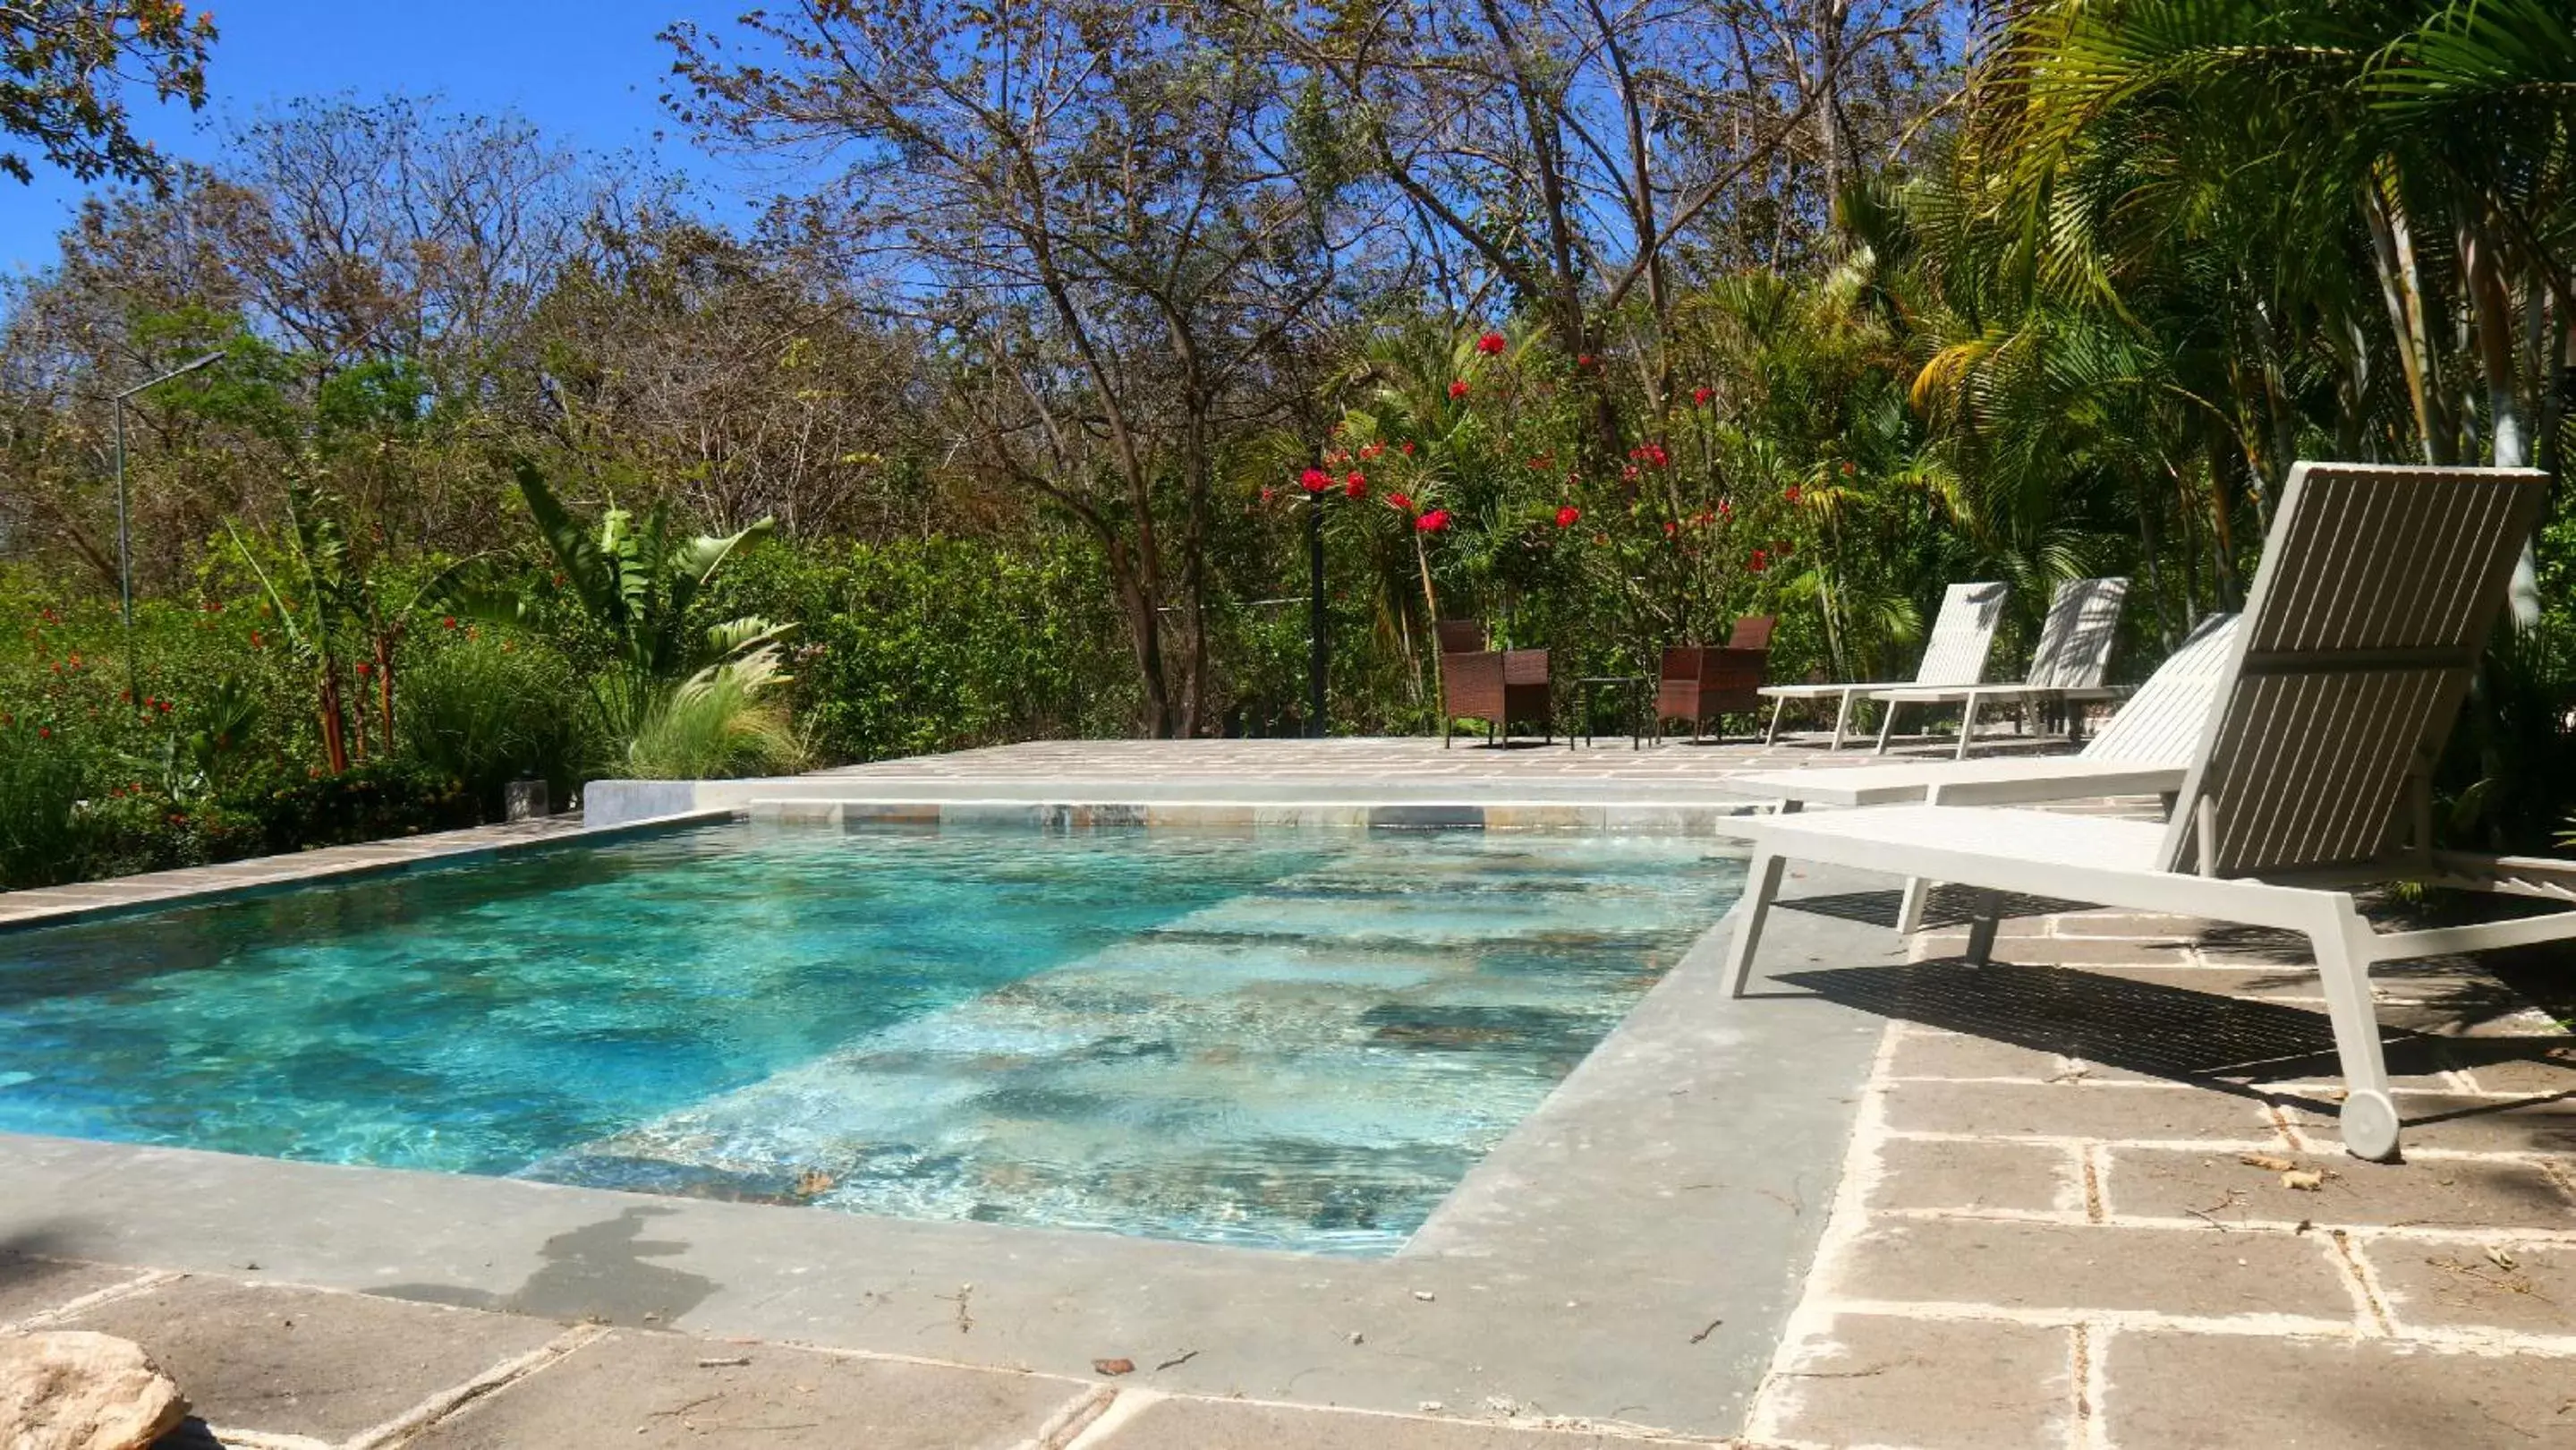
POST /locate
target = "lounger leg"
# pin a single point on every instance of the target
(1967, 726)
(1909, 909)
(1779, 706)
(1842, 720)
(1886, 723)
(1985, 913)
(1761, 884)
(1918, 891)
(2369, 1117)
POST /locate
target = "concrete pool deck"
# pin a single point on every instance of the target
(2043, 1207)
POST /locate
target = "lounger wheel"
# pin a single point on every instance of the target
(2370, 1126)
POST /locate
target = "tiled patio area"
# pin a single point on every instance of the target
(2076, 1211)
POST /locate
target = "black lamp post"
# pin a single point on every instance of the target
(124, 541)
(1318, 642)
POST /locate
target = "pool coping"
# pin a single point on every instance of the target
(117, 896)
(1628, 1254)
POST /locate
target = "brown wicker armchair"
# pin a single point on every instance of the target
(1499, 687)
(1700, 682)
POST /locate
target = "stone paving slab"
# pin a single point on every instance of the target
(1177, 1424)
(301, 1362)
(2522, 1287)
(1978, 1177)
(657, 1392)
(2454, 1195)
(2069, 1269)
(2188, 1390)
(2080, 1110)
(2458, 1123)
(1931, 1385)
(30, 1285)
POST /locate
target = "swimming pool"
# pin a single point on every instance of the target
(1295, 1040)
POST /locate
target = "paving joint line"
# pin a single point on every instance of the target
(1072, 1422)
(2359, 1279)
(142, 1283)
(2527, 1157)
(2447, 1339)
(2079, 1387)
(1847, 1222)
(2479, 1235)
(491, 1381)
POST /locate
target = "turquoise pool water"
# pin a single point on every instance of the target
(1299, 1040)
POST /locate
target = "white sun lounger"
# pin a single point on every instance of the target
(2073, 655)
(2145, 750)
(2312, 772)
(1962, 634)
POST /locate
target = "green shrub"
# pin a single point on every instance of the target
(40, 792)
(726, 720)
(922, 645)
(483, 713)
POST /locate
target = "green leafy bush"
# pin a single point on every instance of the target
(726, 720)
(40, 791)
(483, 713)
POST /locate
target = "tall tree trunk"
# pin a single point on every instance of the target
(2491, 308)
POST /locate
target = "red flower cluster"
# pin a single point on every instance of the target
(448, 622)
(1408, 448)
(1400, 501)
(1457, 389)
(1491, 344)
(1650, 454)
(1568, 516)
(1701, 395)
(1791, 493)
(1314, 480)
(1356, 486)
(1433, 522)
(1761, 560)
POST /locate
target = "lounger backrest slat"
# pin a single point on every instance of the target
(2075, 641)
(1962, 635)
(2368, 617)
(2160, 724)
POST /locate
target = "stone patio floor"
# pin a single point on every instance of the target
(2074, 1214)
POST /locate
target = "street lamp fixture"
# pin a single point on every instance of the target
(124, 536)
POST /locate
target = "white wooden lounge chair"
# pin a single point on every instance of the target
(2368, 617)
(1962, 634)
(2073, 655)
(2145, 750)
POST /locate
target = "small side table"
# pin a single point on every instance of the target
(1632, 686)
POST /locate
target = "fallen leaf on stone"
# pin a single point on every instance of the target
(1113, 1367)
(2266, 1160)
(2305, 1182)
(2305, 1224)
(2501, 1259)
(813, 1183)
(1425, 1295)
(735, 1362)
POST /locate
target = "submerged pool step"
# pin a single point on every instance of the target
(1678, 820)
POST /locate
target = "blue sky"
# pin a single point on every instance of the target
(588, 71)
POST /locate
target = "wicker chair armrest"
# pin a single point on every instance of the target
(1525, 667)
